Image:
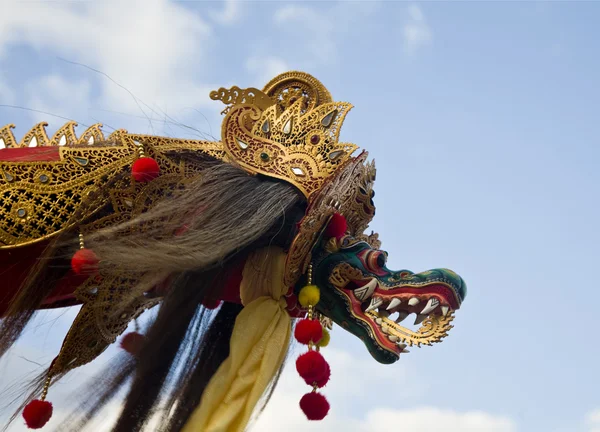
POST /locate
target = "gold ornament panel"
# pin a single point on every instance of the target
(40, 199)
(340, 194)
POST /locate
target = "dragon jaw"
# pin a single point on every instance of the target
(370, 300)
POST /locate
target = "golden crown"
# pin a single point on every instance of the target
(289, 130)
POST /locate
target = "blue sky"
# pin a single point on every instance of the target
(482, 117)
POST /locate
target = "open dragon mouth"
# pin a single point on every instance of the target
(379, 307)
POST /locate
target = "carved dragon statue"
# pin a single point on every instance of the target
(235, 240)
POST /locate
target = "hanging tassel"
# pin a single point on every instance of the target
(84, 261)
(145, 168)
(37, 412)
(311, 366)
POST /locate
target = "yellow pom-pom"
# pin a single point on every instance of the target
(325, 339)
(309, 296)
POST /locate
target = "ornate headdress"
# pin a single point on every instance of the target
(78, 188)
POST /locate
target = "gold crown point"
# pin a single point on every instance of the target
(64, 136)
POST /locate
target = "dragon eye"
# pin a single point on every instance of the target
(376, 260)
(381, 260)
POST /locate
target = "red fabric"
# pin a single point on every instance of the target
(308, 330)
(311, 366)
(314, 405)
(30, 154)
(37, 413)
(337, 226)
(231, 290)
(15, 265)
(145, 169)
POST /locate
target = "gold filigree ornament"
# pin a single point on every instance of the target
(289, 131)
(346, 194)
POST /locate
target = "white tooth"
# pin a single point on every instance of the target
(385, 329)
(375, 302)
(414, 301)
(431, 305)
(402, 347)
(367, 290)
(401, 316)
(405, 351)
(395, 302)
(420, 319)
(393, 338)
(445, 310)
(379, 321)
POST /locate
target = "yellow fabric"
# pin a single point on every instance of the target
(259, 342)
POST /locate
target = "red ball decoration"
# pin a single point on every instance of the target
(337, 226)
(145, 169)
(308, 330)
(324, 379)
(311, 366)
(314, 405)
(84, 262)
(37, 413)
(133, 343)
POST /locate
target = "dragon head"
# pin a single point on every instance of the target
(363, 296)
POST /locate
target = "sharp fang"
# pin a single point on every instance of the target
(401, 316)
(445, 310)
(405, 351)
(431, 305)
(366, 291)
(420, 319)
(402, 347)
(395, 302)
(414, 301)
(375, 302)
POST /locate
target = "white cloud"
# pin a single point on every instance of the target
(55, 94)
(361, 382)
(229, 14)
(316, 33)
(593, 421)
(265, 68)
(7, 96)
(155, 49)
(416, 31)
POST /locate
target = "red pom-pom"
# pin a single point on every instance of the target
(37, 413)
(337, 226)
(321, 382)
(145, 169)
(84, 262)
(133, 343)
(311, 366)
(314, 405)
(308, 330)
